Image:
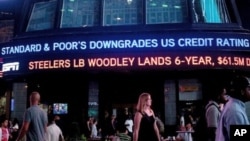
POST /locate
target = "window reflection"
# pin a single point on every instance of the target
(6, 31)
(166, 11)
(122, 12)
(88, 13)
(42, 16)
(210, 11)
(80, 13)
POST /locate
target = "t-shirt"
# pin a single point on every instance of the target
(234, 113)
(212, 114)
(4, 134)
(38, 121)
(53, 132)
(124, 137)
(129, 124)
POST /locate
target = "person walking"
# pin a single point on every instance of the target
(129, 123)
(213, 110)
(54, 133)
(4, 131)
(34, 121)
(234, 112)
(145, 127)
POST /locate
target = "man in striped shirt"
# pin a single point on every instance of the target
(122, 134)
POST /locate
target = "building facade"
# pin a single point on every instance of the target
(98, 55)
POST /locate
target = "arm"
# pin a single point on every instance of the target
(23, 130)
(137, 121)
(157, 131)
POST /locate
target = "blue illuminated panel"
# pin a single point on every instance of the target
(179, 50)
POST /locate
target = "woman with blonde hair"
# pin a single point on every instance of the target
(145, 128)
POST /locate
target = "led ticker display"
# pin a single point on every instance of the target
(146, 61)
(138, 51)
(126, 42)
(233, 61)
(164, 61)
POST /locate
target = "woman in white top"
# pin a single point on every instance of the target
(94, 132)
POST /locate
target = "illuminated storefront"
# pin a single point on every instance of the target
(168, 48)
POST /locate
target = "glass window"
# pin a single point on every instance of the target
(166, 11)
(80, 13)
(210, 11)
(122, 12)
(6, 30)
(42, 16)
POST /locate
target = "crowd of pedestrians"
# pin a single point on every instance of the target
(225, 107)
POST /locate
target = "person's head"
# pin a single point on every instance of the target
(106, 114)
(143, 102)
(113, 117)
(219, 93)
(15, 121)
(129, 116)
(126, 111)
(91, 118)
(4, 122)
(34, 98)
(51, 119)
(240, 88)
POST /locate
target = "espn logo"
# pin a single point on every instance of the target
(14, 66)
(239, 132)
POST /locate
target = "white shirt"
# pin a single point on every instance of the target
(94, 131)
(129, 124)
(53, 132)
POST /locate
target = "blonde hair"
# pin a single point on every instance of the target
(141, 101)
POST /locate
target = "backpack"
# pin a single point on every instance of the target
(160, 125)
(200, 133)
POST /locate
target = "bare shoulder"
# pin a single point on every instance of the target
(138, 115)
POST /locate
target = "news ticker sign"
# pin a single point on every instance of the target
(239, 132)
(128, 61)
(126, 42)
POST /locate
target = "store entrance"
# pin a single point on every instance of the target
(117, 92)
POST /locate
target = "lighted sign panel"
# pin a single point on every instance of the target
(126, 42)
(190, 89)
(144, 61)
(185, 50)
